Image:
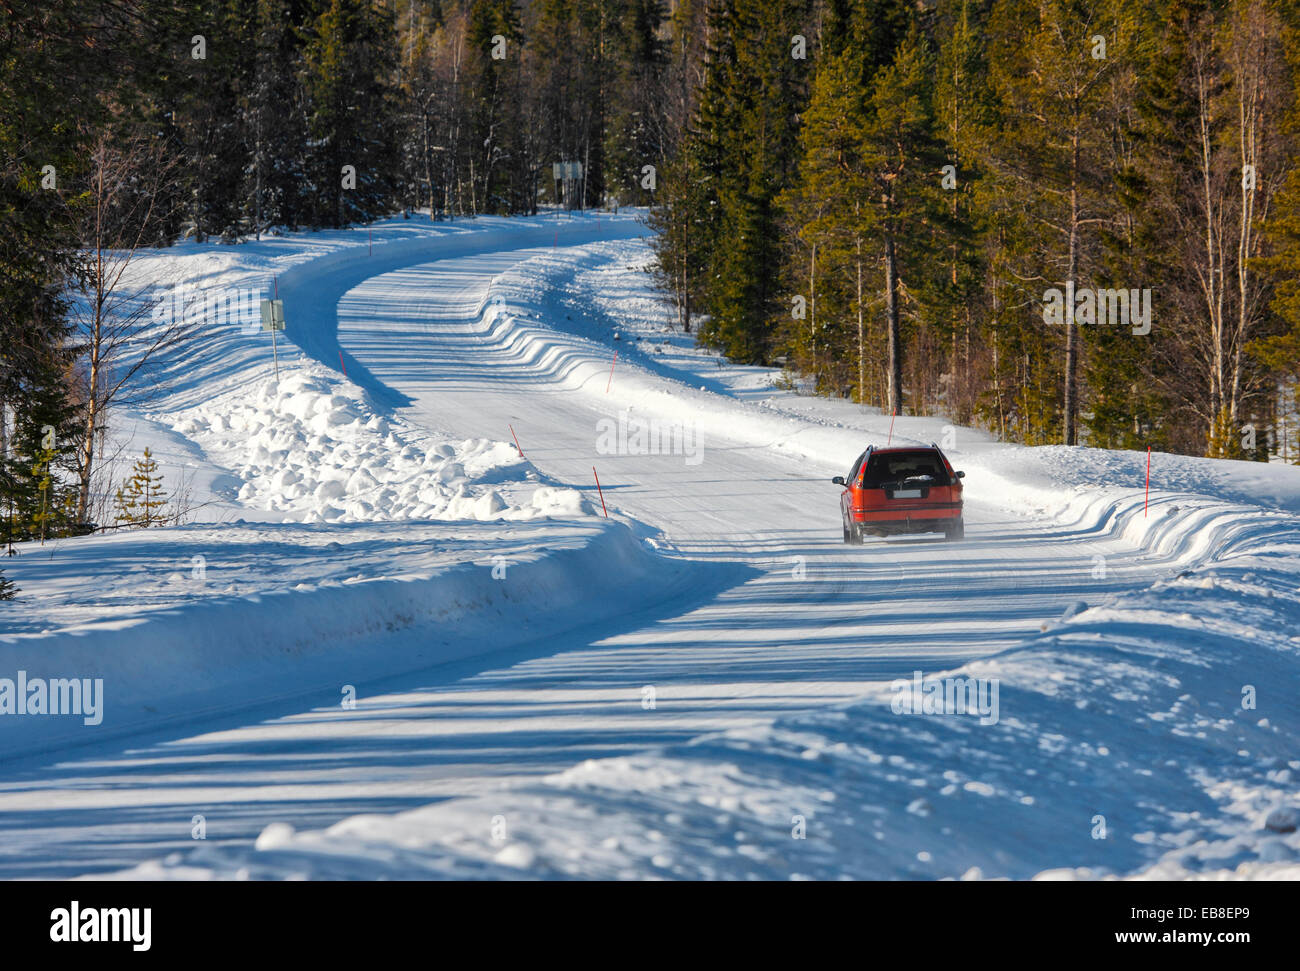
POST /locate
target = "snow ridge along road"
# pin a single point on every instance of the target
(463, 338)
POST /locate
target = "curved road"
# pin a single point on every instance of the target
(776, 639)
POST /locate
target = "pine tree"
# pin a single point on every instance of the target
(904, 157)
(747, 126)
(683, 202)
(1050, 152)
(963, 108)
(826, 210)
(633, 136)
(274, 123)
(205, 110)
(38, 489)
(491, 88)
(348, 57)
(7, 588)
(869, 210)
(141, 500)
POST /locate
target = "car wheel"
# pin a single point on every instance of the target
(844, 526)
(956, 532)
(855, 534)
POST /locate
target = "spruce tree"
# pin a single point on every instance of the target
(868, 207)
(1278, 353)
(1136, 383)
(141, 500)
(684, 203)
(58, 65)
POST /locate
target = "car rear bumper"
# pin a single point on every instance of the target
(930, 512)
(936, 518)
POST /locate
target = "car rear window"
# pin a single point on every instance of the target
(898, 466)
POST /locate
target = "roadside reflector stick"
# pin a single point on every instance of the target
(610, 382)
(601, 491)
(516, 438)
(891, 427)
(341, 364)
(1147, 500)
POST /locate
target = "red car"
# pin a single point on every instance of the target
(901, 490)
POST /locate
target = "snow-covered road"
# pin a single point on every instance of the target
(725, 602)
(788, 619)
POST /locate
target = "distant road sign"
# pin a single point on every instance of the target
(272, 315)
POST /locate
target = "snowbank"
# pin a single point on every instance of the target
(202, 619)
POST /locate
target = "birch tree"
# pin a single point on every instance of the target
(114, 325)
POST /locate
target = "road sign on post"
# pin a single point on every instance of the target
(567, 176)
(273, 320)
(272, 315)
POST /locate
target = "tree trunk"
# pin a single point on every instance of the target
(95, 352)
(812, 310)
(1248, 119)
(686, 275)
(895, 335)
(862, 351)
(428, 161)
(87, 446)
(1071, 328)
(1212, 272)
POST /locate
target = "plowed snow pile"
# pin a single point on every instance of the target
(316, 455)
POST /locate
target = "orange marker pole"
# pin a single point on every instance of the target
(601, 491)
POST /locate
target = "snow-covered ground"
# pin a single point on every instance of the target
(708, 684)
